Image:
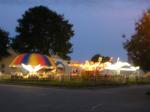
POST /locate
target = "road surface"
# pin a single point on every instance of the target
(15, 98)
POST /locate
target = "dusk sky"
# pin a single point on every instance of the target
(98, 24)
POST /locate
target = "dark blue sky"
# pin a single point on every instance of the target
(98, 24)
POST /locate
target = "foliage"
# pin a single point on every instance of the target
(4, 41)
(138, 47)
(44, 31)
(95, 58)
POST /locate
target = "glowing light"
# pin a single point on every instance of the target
(91, 66)
(121, 66)
(31, 69)
(99, 66)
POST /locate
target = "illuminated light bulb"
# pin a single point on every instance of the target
(119, 66)
(31, 69)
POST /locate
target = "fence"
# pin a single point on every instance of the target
(85, 80)
(97, 80)
(93, 80)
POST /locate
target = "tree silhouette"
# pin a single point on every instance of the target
(138, 47)
(95, 58)
(4, 41)
(44, 31)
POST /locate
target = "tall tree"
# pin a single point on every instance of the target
(138, 47)
(44, 31)
(4, 41)
(96, 57)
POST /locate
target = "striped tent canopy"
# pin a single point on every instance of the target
(33, 59)
(59, 64)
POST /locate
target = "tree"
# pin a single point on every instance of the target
(138, 47)
(95, 58)
(4, 41)
(44, 31)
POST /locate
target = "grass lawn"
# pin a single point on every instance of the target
(57, 83)
(69, 84)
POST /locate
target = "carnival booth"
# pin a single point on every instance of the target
(63, 66)
(87, 67)
(121, 68)
(107, 68)
(33, 65)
